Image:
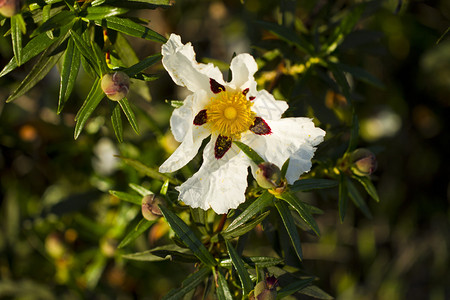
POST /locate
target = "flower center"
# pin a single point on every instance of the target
(229, 114)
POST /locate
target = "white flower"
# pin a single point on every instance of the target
(230, 111)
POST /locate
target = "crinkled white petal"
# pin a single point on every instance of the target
(179, 60)
(243, 67)
(266, 107)
(219, 183)
(293, 138)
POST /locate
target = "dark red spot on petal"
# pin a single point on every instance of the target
(260, 127)
(200, 118)
(244, 92)
(223, 144)
(251, 98)
(215, 86)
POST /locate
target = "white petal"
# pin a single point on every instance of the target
(243, 67)
(187, 149)
(219, 183)
(293, 138)
(266, 107)
(179, 60)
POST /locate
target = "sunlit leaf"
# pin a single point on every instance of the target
(310, 184)
(102, 12)
(135, 199)
(69, 72)
(142, 65)
(16, 37)
(254, 261)
(87, 52)
(249, 152)
(57, 21)
(93, 99)
(126, 108)
(116, 121)
(222, 291)
(368, 185)
(246, 227)
(170, 252)
(135, 232)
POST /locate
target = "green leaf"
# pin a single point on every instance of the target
(340, 78)
(354, 133)
(243, 229)
(249, 152)
(309, 184)
(16, 37)
(257, 206)
(222, 291)
(170, 252)
(140, 189)
(302, 210)
(37, 73)
(88, 53)
(188, 284)
(102, 12)
(362, 75)
(368, 185)
(131, 28)
(254, 261)
(343, 197)
(125, 105)
(116, 121)
(57, 21)
(136, 232)
(69, 73)
(357, 198)
(150, 172)
(289, 224)
(93, 99)
(315, 292)
(294, 287)
(188, 237)
(246, 282)
(135, 199)
(142, 65)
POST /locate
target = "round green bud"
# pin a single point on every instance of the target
(268, 175)
(363, 162)
(115, 85)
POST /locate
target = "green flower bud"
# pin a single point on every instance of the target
(9, 8)
(363, 162)
(115, 85)
(268, 175)
(150, 209)
(267, 289)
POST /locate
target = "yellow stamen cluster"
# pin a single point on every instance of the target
(229, 114)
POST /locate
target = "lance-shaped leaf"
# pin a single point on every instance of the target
(302, 210)
(257, 206)
(294, 287)
(87, 52)
(69, 73)
(170, 252)
(222, 290)
(356, 197)
(368, 185)
(142, 65)
(131, 28)
(289, 224)
(254, 261)
(310, 184)
(249, 152)
(116, 121)
(238, 264)
(246, 227)
(135, 199)
(188, 284)
(140, 189)
(126, 108)
(362, 75)
(93, 99)
(354, 135)
(102, 12)
(17, 23)
(340, 78)
(315, 292)
(188, 237)
(135, 232)
(57, 21)
(150, 172)
(343, 197)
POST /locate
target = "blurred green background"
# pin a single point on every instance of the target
(60, 227)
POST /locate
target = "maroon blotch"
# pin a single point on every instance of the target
(200, 118)
(223, 144)
(215, 86)
(251, 98)
(260, 127)
(244, 92)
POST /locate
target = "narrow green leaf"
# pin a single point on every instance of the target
(136, 232)
(57, 21)
(135, 199)
(102, 12)
(309, 184)
(341, 80)
(188, 237)
(87, 52)
(69, 73)
(257, 206)
(140, 189)
(116, 121)
(142, 65)
(249, 152)
(164, 188)
(294, 287)
(239, 266)
(315, 292)
(222, 291)
(362, 75)
(93, 99)
(188, 284)
(150, 172)
(343, 197)
(16, 37)
(354, 135)
(254, 261)
(302, 210)
(289, 224)
(131, 28)
(170, 252)
(368, 185)
(243, 229)
(356, 197)
(125, 105)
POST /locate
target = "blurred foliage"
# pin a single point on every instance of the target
(70, 226)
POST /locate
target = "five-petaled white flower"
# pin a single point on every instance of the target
(230, 111)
